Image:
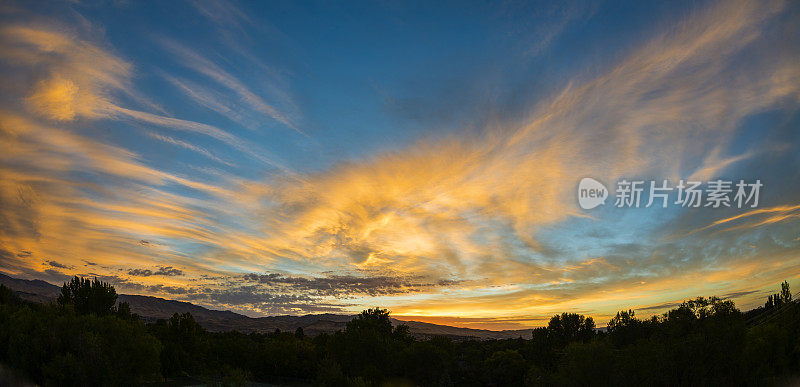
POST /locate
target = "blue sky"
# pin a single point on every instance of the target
(301, 157)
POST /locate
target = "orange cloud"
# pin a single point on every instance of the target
(78, 74)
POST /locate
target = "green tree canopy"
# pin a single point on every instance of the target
(375, 319)
(88, 296)
(569, 327)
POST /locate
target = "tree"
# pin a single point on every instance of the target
(622, 319)
(587, 364)
(569, 327)
(369, 345)
(88, 296)
(626, 329)
(505, 368)
(8, 296)
(430, 362)
(773, 300)
(374, 319)
(184, 345)
(778, 299)
(124, 312)
(55, 346)
(786, 294)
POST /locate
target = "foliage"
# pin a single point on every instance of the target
(88, 296)
(57, 346)
(569, 327)
(84, 340)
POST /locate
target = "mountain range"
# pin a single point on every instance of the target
(151, 309)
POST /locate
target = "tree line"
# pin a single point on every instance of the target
(86, 338)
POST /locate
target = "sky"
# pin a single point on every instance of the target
(325, 157)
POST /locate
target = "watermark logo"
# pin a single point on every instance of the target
(591, 193)
(640, 193)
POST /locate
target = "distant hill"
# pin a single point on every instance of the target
(31, 290)
(154, 308)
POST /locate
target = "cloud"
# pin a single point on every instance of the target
(660, 307)
(68, 194)
(544, 23)
(223, 14)
(168, 271)
(205, 129)
(55, 98)
(345, 285)
(763, 216)
(452, 224)
(58, 265)
(186, 145)
(76, 76)
(472, 205)
(738, 294)
(53, 205)
(210, 99)
(214, 72)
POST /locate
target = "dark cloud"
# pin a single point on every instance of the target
(168, 271)
(666, 305)
(177, 290)
(53, 276)
(255, 297)
(130, 286)
(58, 265)
(738, 294)
(7, 258)
(147, 243)
(11, 262)
(247, 295)
(343, 285)
(274, 293)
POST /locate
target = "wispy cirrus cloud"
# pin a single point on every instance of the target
(433, 199)
(225, 79)
(472, 206)
(67, 87)
(187, 145)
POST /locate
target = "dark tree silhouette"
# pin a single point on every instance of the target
(375, 319)
(8, 296)
(88, 296)
(778, 299)
(703, 341)
(786, 294)
(568, 327)
(626, 329)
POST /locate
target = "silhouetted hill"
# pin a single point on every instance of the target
(424, 330)
(31, 290)
(154, 308)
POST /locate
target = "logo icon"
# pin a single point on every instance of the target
(591, 193)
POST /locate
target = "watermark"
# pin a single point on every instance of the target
(690, 194)
(591, 193)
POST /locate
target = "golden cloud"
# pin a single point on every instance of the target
(469, 206)
(75, 75)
